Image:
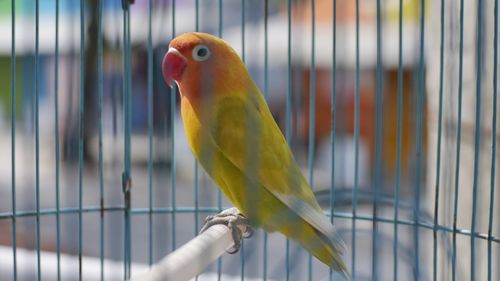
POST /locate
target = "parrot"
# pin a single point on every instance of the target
(233, 135)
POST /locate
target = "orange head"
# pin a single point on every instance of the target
(202, 65)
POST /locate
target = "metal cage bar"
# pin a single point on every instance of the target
(493, 140)
(356, 147)
(37, 140)
(13, 136)
(477, 134)
(438, 153)
(459, 139)
(100, 93)
(312, 103)
(57, 145)
(334, 119)
(399, 141)
(288, 129)
(150, 132)
(81, 138)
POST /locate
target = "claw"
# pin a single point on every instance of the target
(233, 249)
(236, 221)
(248, 232)
(208, 218)
(237, 236)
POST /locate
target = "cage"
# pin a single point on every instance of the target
(390, 108)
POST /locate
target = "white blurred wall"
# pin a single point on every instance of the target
(449, 137)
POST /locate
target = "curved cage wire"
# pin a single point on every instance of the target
(390, 108)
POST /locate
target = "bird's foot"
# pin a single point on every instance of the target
(235, 221)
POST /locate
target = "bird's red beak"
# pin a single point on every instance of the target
(173, 66)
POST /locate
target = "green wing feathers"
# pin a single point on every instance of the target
(244, 130)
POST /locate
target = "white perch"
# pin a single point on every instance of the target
(192, 258)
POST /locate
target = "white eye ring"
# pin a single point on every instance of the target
(201, 53)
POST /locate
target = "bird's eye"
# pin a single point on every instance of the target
(201, 53)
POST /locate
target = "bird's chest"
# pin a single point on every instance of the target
(225, 174)
(198, 136)
(194, 131)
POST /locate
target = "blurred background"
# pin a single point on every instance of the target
(387, 138)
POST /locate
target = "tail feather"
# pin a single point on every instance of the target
(326, 249)
(332, 256)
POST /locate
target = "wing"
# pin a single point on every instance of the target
(244, 130)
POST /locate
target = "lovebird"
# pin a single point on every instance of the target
(235, 138)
